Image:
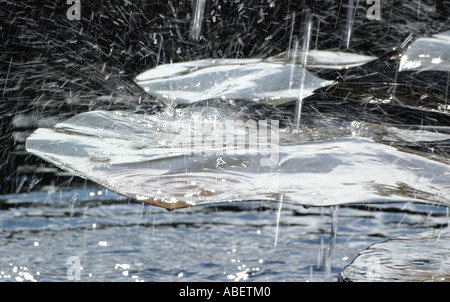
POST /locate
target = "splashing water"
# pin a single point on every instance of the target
(198, 8)
(351, 10)
(278, 220)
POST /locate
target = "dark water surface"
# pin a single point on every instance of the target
(118, 240)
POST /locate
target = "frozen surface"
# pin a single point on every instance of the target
(230, 79)
(421, 257)
(428, 53)
(327, 59)
(275, 80)
(140, 156)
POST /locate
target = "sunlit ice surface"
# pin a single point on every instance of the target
(428, 53)
(140, 156)
(194, 81)
(420, 257)
(230, 80)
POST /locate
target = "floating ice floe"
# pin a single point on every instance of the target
(275, 80)
(428, 53)
(419, 257)
(158, 159)
(325, 59)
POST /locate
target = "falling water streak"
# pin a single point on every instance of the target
(394, 89)
(7, 76)
(418, 10)
(448, 217)
(317, 34)
(159, 51)
(351, 12)
(290, 37)
(305, 49)
(197, 19)
(397, 69)
(446, 90)
(278, 220)
(141, 213)
(332, 241)
(294, 58)
(406, 41)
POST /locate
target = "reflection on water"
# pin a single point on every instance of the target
(118, 240)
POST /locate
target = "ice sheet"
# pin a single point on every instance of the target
(135, 155)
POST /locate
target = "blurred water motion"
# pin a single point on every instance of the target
(275, 80)
(40, 231)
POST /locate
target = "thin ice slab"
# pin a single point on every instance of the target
(151, 158)
(428, 53)
(419, 257)
(275, 80)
